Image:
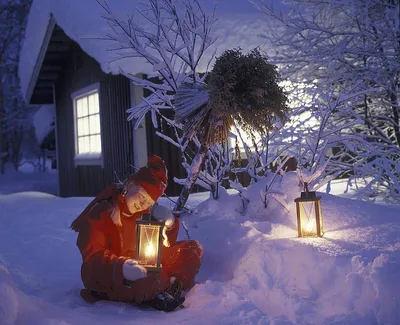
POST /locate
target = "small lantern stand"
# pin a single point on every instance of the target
(309, 214)
(149, 242)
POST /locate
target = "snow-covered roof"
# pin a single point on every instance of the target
(238, 25)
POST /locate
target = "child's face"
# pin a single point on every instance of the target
(137, 199)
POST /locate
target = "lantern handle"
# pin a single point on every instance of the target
(149, 217)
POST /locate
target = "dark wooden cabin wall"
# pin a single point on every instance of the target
(116, 130)
(81, 71)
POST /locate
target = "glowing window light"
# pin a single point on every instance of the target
(88, 131)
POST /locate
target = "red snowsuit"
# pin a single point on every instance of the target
(105, 247)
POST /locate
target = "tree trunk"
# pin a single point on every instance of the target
(192, 177)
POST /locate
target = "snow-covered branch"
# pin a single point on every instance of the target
(341, 61)
(171, 36)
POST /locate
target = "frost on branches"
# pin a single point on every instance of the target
(171, 36)
(341, 76)
(341, 58)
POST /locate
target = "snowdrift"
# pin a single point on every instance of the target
(255, 269)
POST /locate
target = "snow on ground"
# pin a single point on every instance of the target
(255, 270)
(27, 180)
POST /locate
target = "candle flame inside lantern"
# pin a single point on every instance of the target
(308, 227)
(150, 250)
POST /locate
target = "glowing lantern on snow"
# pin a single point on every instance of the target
(309, 214)
(149, 242)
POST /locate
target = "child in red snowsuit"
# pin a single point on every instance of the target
(107, 242)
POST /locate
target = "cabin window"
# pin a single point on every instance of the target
(88, 149)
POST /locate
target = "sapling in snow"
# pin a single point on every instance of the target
(270, 192)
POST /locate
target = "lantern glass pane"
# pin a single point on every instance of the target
(149, 244)
(308, 218)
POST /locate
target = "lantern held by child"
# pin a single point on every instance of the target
(149, 242)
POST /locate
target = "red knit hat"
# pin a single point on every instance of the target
(153, 177)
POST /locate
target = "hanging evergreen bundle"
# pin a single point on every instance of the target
(242, 88)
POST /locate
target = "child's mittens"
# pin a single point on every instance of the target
(132, 271)
(162, 213)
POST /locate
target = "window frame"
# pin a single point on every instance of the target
(86, 159)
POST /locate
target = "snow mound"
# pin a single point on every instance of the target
(346, 277)
(255, 269)
(292, 282)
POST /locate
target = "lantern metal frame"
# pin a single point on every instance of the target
(307, 197)
(146, 221)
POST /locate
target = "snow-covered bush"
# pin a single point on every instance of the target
(340, 59)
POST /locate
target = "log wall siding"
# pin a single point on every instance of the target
(79, 72)
(116, 130)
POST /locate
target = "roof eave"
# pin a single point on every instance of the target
(40, 58)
